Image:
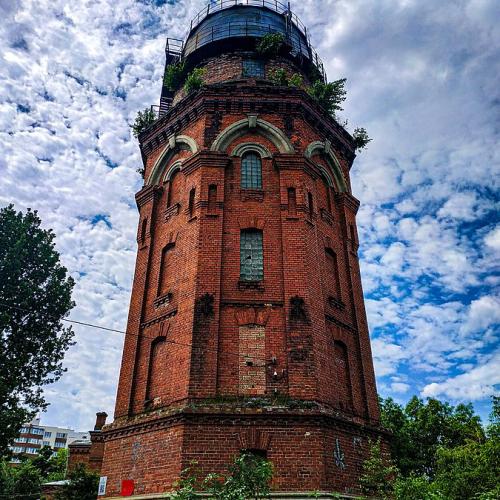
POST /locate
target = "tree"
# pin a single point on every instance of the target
(142, 121)
(378, 474)
(82, 485)
(361, 138)
(22, 482)
(420, 428)
(35, 295)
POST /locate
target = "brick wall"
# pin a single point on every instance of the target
(200, 337)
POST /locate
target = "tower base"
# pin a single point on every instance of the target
(312, 449)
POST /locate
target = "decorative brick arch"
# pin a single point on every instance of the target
(255, 125)
(325, 148)
(252, 316)
(167, 154)
(253, 147)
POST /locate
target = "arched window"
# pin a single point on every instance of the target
(342, 375)
(251, 171)
(158, 368)
(251, 255)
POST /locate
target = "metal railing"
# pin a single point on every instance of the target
(274, 5)
(243, 29)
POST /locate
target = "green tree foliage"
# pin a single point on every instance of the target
(22, 482)
(82, 485)
(142, 121)
(378, 474)
(420, 428)
(329, 96)
(469, 471)
(280, 77)
(194, 80)
(270, 45)
(249, 477)
(361, 139)
(174, 77)
(35, 295)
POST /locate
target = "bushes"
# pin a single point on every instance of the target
(329, 95)
(271, 44)
(174, 77)
(248, 476)
(194, 80)
(142, 121)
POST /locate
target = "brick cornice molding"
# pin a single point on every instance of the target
(348, 201)
(146, 194)
(257, 99)
(205, 158)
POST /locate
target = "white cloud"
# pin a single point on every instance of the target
(479, 383)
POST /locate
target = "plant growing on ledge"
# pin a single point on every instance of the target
(270, 44)
(361, 139)
(329, 95)
(280, 77)
(194, 80)
(142, 121)
(174, 77)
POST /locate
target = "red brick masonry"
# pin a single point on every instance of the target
(213, 365)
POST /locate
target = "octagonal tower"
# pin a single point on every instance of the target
(247, 328)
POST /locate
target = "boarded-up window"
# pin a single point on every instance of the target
(165, 279)
(310, 204)
(212, 197)
(342, 375)
(292, 201)
(332, 277)
(158, 369)
(324, 200)
(252, 344)
(251, 256)
(175, 188)
(192, 195)
(251, 171)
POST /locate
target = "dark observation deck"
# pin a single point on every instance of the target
(228, 25)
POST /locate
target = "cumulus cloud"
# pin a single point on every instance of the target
(421, 79)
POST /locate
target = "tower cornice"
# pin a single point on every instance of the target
(239, 97)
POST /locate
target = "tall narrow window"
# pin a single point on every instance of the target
(310, 203)
(192, 195)
(165, 277)
(251, 256)
(212, 197)
(332, 273)
(292, 201)
(251, 171)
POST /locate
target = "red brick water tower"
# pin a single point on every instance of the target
(247, 327)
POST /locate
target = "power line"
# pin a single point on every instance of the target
(113, 330)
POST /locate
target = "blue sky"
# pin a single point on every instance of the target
(422, 78)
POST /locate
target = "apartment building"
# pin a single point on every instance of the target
(34, 436)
